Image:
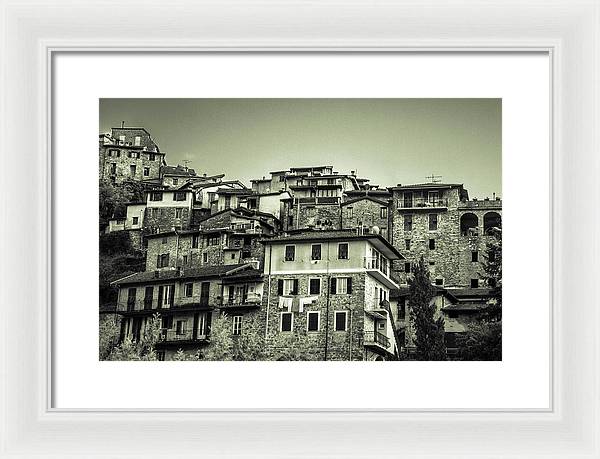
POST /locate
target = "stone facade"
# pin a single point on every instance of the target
(366, 212)
(433, 230)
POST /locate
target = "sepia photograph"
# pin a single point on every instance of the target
(300, 229)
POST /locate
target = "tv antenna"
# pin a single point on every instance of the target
(434, 178)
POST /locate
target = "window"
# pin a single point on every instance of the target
(179, 196)
(290, 220)
(407, 267)
(282, 178)
(185, 260)
(162, 261)
(113, 168)
(350, 212)
(121, 139)
(408, 222)
(474, 256)
(233, 255)
(227, 202)
(146, 171)
(287, 287)
(431, 244)
(314, 286)
(290, 252)
(341, 285)
(432, 263)
(135, 220)
(178, 213)
(165, 239)
(383, 212)
(340, 320)
(237, 325)
(137, 141)
(181, 325)
(402, 309)
(131, 298)
(474, 283)
(152, 157)
(287, 322)
(407, 244)
(439, 281)
(195, 239)
(156, 196)
(113, 153)
(205, 257)
(166, 322)
(343, 251)
(134, 154)
(160, 356)
(189, 289)
(175, 181)
(214, 240)
(312, 321)
(433, 222)
(316, 252)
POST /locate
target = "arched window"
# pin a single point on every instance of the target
(491, 220)
(468, 224)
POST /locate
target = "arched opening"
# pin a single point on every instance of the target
(379, 359)
(468, 224)
(491, 220)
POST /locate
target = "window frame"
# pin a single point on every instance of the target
(312, 252)
(407, 222)
(436, 220)
(285, 253)
(310, 313)
(310, 280)
(340, 244)
(383, 212)
(291, 315)
(189, 285)
(237, 331)
(335, 316)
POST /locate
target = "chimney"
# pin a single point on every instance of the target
(353, 173)
(122, 124)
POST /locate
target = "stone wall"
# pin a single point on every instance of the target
(120, 157)
(163, 219)
(368, 213)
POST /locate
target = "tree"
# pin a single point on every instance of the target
(483, 338)
(221, 342)
(143, 349)
(113, 197)
(429, 330)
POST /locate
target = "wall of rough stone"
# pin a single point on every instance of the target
(367, 213)
(163, 218)
(123, 163)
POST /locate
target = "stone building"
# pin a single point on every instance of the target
(169, 208)
(366, 212)
(440, 223)
(187, 301)
(129, 153)
(175, 176)
(326, 296)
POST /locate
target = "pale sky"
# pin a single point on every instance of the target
(390, 141)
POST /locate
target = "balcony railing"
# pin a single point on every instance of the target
(377, 338)
(147, 304)
(187, 335)
(318, 200)
(422, 202)
(378, 263)
(250, 299)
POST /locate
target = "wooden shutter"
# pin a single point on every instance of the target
(160, 296)
(172, 295)
(349, 285)
(280, 287)
(333, 283)
(295, 287)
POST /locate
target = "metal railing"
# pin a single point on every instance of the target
(187, 335)
(377, 338)
(422, 202)
(378, 263)
(241, 300)
(148, 304)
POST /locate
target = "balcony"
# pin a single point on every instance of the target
(377, 340)
(186, 336)
(145, 306)
(250, 300)
(423, 203)
(379, 268)
(319, 200)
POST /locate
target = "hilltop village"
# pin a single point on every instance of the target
(309, 257)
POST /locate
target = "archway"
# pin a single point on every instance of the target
(468, 224)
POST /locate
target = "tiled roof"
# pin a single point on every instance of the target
(471, 292)
(179, 171)
(170, 274)
(426, 185)
(381, 202)
(464, 307)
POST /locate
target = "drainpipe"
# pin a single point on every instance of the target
(327, 306)
(268, 293)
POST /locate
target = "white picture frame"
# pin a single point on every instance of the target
(32, 32)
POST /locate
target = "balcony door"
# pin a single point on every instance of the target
(408, 199)
(204, 293)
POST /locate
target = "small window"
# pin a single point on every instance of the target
(474, 283)
(407, 267)
(160, 356)
(287, 321)
(432, 263)
(137, 140)
(175, 181)
(178, 213)
(350, 212)
(343, 251)
(290, 220)
(122, 139)
(166, 322)
(340, 320)
(162, 260)
(407, 244)
(152, 157)
(408, 223)
(431, 244)
(312, 321)
(185, 260)
(205, 257)
(195, 239)
(383, 212)
(156, 196)
(316, 252)
(290, 252)
(165, 239)
(401, 309)
(189, 289)
(282, 178)
(315, 286)
(433, 222)
(474, 256)
(237, 325)
(132, 169)
(135, 220)
(233, 256)
(179, 195)
(181, 325)
(146, 171)
(439, 281)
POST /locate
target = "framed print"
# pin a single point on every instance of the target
(302, 213)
